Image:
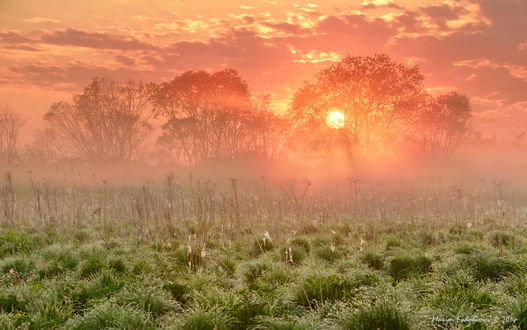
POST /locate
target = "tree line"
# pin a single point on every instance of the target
(205, 116)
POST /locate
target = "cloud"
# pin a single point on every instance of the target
(42, 20)
(124, 60)
(72, 37)
(373, 4)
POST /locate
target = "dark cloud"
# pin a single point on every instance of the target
(14, 37)
(125, 60)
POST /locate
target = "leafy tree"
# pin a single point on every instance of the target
(213, 116)
(109, 120)
(442, 125)
(376, 95)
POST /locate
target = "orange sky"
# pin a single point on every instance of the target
(50, 49)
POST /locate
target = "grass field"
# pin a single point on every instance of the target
(201, 255)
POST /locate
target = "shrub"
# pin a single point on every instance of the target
(141, 267)
(102, 285)
(380, 316)
(91, 266)
(13, 242)
(301, 242)
(392, 242)
(373, 260)
(327, 253)
(246, 308)
(293, 254)
(117, 264)
(10, 302)
(189, 257)
(499, 239)
(178, 291)
(148, 299)
(428, 238)
(402, 267)
(21, 265)
(465, 248)
(112, 316)
(226, 265)
(207, 318)
(486, 267)
(519, 310)
(261, 245)
(251, 270)
(316, 289)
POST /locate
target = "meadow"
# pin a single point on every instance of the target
(195, 253)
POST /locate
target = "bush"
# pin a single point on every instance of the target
(189, 257)
(207, 318)
(261, 245)
(402, 267)
(10, 302)
(20, 265)
(148, 299)
(102, 285)
(486, 267)
(91, 266)
(252, 270)
(392, 242)
(112, 316)
(293, 254)
(373, 260)
(380, 316)
(13, 242)
(301, 242)
(178, 291)
(519, 310)
(327, 253)
(499, 239)
(117, 264)
(316, 289)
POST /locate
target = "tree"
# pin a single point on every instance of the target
(211, 116)
(109, 120)
(45, 148)
(10, 125)
(376, 95)
(442, 125)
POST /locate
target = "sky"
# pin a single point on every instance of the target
(51, 49)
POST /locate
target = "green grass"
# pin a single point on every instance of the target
(277, 273)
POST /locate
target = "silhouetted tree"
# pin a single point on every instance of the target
(109, 120)
(442, 125)
(46, 147)
(212, 116)
(10, 125)
(376, 95)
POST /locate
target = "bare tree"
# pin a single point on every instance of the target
(109, 120)
(45, 148)
(10, 125)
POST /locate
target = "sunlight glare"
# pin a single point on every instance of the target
(335, 119)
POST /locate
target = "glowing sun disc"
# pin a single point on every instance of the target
(335, 119)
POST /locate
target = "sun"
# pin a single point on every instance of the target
(335, 119)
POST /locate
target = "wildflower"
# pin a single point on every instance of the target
(18, 314)
(469, 225)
